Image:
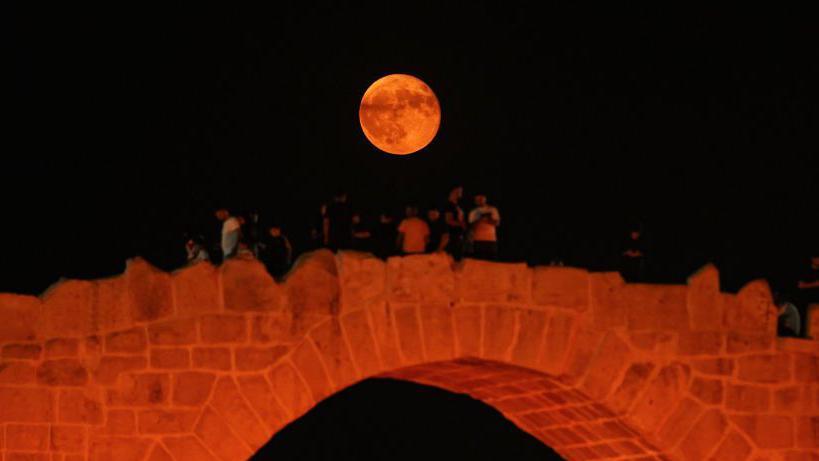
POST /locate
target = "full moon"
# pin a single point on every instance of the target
(399, 114)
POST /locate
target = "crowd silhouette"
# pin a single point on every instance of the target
(440, 228)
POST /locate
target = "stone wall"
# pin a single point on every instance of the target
(208, 363)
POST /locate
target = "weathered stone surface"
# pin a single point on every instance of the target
(110, 367)
(704, 436)
(680, 421)
(67, 309)
(166, 421)
(700, 343)
(17, 373)
(487, 281)
(149, 291)
(530, 337)
(656, 307)
(26, 405)
(141, 389)
(256, 389)
(660, 398)
(19, 317)
(607, 299)
(766, 431)
(363, 279)
(408, 330)
(22, 351)
(258, 358)
(212, 358)
(436, 323)
(120, 422)
(221, 329)
(420, 278)
(468, 329)
(248, 287)
(498, 331)
(197, 290)
(748, 398)
(362, 343)
(111, 304)
(187, 448)
(556, 344)
(235, 411)
(170, 359)
(80, 406)
(27, 437)
(68, 439)
(708, 391)
(61, 348)
(127, 342)
(219, 438)
(720, 367)
(704, 300)
(560, 287)
(62, 372)
(283, 326)
(312, 284)
(308, 363)
(755, 310)
(335, 355)
(606, 367)
(634, 381)
(733, 448)
(764, 368)
(119, 448)
(290, 389)
(173, 332)
(192, 388)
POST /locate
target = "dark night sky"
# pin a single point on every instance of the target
(129, 125)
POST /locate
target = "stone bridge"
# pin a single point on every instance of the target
(208, 363)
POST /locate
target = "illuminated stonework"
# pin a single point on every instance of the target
(208, 363)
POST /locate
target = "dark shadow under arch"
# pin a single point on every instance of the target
(387, 419)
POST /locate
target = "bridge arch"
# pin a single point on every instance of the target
(209, 363)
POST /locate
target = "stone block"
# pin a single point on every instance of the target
(468, 329)
(61, 348)
(660, 397)
(383, 324)
(212, 358)
(700, 343)
(141, 390)
(111, 304)
(219, 438)
(704, 436)
(608, 300)
(806, 368)
(556, 344)
(486, 281)
(408, 329)
(560, 287)
(170, 359)
(22, 351)
(754, 310)
(118, 448)
(634, 382)
(235, 411)
(756, 399)
(166, 421)
(363, 279)
(766, 431)
(743, 342)
(26, 405)
(17, 373)
(708, 391)
(656, 307)
(249, 288)
(331, 345)
(110, 367)
(420, 278)
(312, 285)
(80, 406)
(705, 304)
(764, 368)
(62, 372)
(362, 343)
(606, 366)
(158, 453)
(308, 363)
(733, 447)
(498, 331)
(67, 309)
(131, 341)
(221, 329)
(531, 333)
(283, 326)
(68, 439)
(680, 422)
(290, 389)
(196, 290)
(187, 448)
(258, 358)
(256, 389)
(807, 432)
(192, 388)
(439, 337)
(27, 437)
(19, 317)
(173, 333)
(120, 422)
(717, 367)
(149, 291)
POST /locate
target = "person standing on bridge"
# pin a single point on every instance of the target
(231, 230)
(484, 220)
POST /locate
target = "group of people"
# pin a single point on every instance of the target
(445, 228)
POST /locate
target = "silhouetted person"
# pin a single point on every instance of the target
(195, 250)
(413, 233)
(633, 256)
(276, 252)
(315, 235)
(231, 233)
(438, 231)
(338, 223)
(362, 237)
(385, 235)
(483, 221)
(456, 223)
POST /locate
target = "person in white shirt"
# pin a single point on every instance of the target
(483, 222)
(230, 233)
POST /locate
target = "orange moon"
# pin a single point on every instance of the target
(399, 114)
